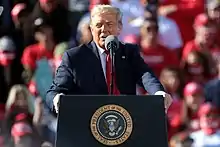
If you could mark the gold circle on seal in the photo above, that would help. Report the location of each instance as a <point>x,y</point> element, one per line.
<point>105,109</point>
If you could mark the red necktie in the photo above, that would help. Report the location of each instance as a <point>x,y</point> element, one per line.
<point>108,75</point>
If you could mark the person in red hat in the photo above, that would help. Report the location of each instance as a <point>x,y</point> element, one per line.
<point>19,14</point>
<point>8,55</point>
<point>23,133</point>
<point>193,99</point>
<point>197,67</point>
<point>19,131</point>
<point>209,119</point>
<point>205,38</point>
<point>42,49</point>
<point>213,11</point>
<point>154,54</point>
<point>55,13</point>
<point>183,114</point>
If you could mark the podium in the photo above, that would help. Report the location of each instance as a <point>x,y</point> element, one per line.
<point>101,121</point>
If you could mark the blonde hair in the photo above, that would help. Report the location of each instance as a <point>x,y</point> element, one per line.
<point>15,90</point>
<point>101,8</point>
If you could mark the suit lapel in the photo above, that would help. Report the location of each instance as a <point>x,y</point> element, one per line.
<point>98,74</point>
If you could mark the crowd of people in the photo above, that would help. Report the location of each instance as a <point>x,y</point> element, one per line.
<point>178,39</point>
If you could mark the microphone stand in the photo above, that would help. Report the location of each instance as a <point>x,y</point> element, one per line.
<point>112,56</point>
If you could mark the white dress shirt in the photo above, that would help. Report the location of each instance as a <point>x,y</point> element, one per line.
<point>102,56</point>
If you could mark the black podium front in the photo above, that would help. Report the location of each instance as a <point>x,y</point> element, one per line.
<point>98,121</point>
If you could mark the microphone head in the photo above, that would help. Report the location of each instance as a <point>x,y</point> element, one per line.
<point>111,42</point>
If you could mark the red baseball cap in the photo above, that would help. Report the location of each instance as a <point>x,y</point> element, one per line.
<point>201,20</point>
<point>192,88</point>
<point>20,129</point>
<point>208,108</point>
<point>17,9</point>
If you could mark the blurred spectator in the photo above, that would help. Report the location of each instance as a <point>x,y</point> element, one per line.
<point>213,9</point>
<point>19,14</point>
<point>20,101</point>
<point>58,53</point>
<point>168,35</point>
<point>181,140</point>
<point>212,90</point>
<point>54,13</point>
<point>154,54</point>
<point>131,10</point>
<point>7,52</point>
<point>19,98</point>
<point>196,67</point>
<point>205,39</point>
<point>175,124</point>
<point>42,49</point>
<point>77,9</point>
<point>83,30</point>
<point>193,98</point>
<point>183,114</point>
<point>183,13</point>
<point>23,133</point>
<point>209,135</point>
<point>173,81</point>
<point>7,73</point>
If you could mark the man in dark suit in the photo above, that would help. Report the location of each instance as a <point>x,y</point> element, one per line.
<point>84,69</point>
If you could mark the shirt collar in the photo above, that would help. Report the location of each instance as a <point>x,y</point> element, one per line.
<point>100,50</point>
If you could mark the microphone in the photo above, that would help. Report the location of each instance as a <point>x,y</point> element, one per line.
<point>112,44</point>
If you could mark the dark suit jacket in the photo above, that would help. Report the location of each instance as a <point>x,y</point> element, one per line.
<point>81,73</point>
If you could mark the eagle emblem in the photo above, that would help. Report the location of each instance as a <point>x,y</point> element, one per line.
<point>111,125</point>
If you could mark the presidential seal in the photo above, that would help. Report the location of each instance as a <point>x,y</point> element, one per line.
<point>111,125</point>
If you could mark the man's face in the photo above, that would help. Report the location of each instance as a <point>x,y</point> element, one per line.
<point>209,121</point>
<point>194,100</point>
<point>206,34</point>
<point>45,34</point>
<point>214,14</point>
<point>103,25</point>
<point>149,32</point>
